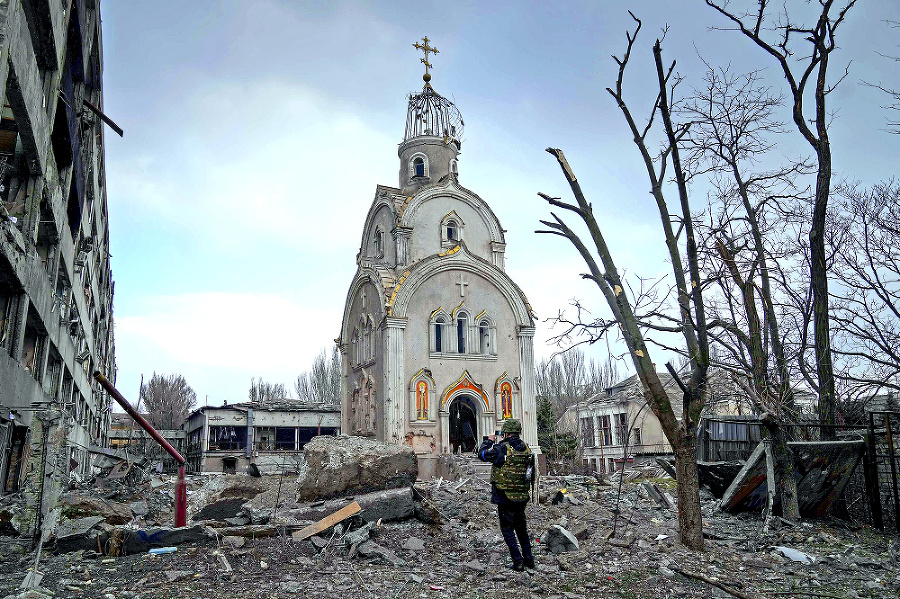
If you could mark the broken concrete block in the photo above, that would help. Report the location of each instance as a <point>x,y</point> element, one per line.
<point>139,508</point>
<point>559,540</point>
<point>78,505</point>
<point>360,535</point>
<point>334,466</point>
<point>393,504</point>
<point>234,541</point>
<point>374,550</point>
<point>78,526</point>
<point>414,544</point>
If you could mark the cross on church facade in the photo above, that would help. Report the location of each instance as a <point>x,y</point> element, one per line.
<point>426,49</point>
<point>462,285</point>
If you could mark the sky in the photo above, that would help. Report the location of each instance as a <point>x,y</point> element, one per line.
<point>256,132</point>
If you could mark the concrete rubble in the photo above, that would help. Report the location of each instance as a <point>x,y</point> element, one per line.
<point>440,538</point>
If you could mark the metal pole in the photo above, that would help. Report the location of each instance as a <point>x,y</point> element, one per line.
<point>871,474</point>
<point>890,440</point>
<point>180,490</point>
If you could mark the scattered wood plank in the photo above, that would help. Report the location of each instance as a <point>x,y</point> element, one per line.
<point>327,522</point>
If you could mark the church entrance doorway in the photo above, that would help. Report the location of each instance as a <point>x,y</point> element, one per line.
<point>463,424</point>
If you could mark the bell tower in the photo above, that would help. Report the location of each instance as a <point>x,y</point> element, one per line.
<point>433,135</point>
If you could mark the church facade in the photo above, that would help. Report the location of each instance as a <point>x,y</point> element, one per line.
<point>436,338</point>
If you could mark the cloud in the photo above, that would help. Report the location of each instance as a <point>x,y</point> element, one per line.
<point>243,332</point>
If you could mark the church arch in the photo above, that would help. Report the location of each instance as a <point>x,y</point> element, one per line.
<point>439,332</point>
<point>374,300</point>
<point>418,165</point>
<point>451,188</point>
<point>460,260</point>
<point>465,384</point>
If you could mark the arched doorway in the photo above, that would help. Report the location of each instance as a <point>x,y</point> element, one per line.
<point>463,424</point>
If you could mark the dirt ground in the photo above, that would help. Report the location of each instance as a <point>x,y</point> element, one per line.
<point>463,557</point>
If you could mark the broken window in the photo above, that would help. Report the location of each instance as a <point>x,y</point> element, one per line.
<point>286,438</point>
<point>7,309</point>
<point>13,170</point>
<point>637,436</point>
<point>227,438</point>
<point>621,428</point>
<point>605,431</point>
<point>264,437</point>
<point>32,348</point>
<point>587,432</point>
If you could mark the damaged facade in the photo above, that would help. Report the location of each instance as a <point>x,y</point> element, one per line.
<point>436,338</point>
<point>56,288</point>
<point>269,434</point>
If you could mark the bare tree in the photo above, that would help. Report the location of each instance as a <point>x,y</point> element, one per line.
<point>813,44</point>
<point>321,384</point>
<point>261,391</point>
<point>866,300</point>
<point>168,400</point>
<point>732,123</point>
<point>690,318</point>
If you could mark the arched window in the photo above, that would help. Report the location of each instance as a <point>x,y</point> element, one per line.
<point>452,231</point>
<point>484,338</point>
<point>461,324</point>
<point>453,167</point>
<point>354,353</point>
<point>370,342</point>
<point>379,243</point>
<point>506,400</point>
<point>422,400</point>
<point>418,167</point>
<point>439,334</point>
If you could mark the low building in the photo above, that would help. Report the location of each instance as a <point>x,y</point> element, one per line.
<point>125,433</point>
<point>269,434</point>
<point>616,418</point>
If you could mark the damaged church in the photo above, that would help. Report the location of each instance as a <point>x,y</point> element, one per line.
<point>436,340</point>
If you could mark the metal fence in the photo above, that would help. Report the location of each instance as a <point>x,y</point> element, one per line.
<point>872,494</point>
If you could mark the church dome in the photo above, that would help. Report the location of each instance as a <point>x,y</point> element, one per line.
<point>432,115</point>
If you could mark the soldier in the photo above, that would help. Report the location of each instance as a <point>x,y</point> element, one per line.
<point>511,477</point>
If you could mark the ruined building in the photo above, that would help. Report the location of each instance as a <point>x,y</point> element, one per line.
<point>436,338</point>
<point>56,288</point>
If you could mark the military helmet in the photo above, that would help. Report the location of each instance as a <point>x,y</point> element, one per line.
<point>511,426</point>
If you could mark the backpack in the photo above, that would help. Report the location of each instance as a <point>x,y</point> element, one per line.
<point>516,475</point>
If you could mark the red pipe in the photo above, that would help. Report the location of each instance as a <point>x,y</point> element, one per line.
<point>180,488</point>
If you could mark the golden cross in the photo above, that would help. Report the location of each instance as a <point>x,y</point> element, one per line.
<point>426,49</point>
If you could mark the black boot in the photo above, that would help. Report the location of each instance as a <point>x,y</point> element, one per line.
<point>528,562</point>
<point>518,565</point>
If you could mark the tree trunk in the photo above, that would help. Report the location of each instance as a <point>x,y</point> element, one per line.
<point>785,472</point>
<point>690,519</point>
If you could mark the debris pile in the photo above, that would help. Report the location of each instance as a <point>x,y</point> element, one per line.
<point>265,537</point>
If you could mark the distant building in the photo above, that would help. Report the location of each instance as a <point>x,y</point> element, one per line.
<point>602,422</point>
<point>272,434</point>
<point>56,287</point>
<point>125,433</point>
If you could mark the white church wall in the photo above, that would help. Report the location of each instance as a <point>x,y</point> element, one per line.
<point>384,252</point>
<point>426,240</point>
<point>364,363</point>
<point>443,290</point>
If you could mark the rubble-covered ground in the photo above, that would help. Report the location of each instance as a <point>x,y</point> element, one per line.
<point>462,555</point>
